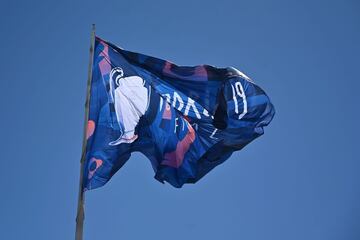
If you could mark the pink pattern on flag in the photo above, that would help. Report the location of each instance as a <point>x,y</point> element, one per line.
<point>175,158</point>
<point>90,129</point>
<point>104,64</point>
<point>167,112</point>
<point>98,163</point>
<point>200,73</point>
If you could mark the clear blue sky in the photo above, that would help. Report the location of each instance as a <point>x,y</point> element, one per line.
<point>299,181</point>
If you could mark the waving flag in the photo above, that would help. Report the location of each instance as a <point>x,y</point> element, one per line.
<point>186,120</point>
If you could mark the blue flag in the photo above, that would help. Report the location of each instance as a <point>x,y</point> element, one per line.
<point>185,120</point>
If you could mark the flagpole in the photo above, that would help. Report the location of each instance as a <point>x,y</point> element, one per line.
<point>81,197</point>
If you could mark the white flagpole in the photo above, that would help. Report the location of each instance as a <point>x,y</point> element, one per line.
<point>81,197</point>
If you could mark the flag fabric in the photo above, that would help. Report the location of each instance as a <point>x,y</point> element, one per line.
<point>185,120</point>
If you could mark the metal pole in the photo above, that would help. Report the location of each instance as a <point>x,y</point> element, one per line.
<point>81,197</point>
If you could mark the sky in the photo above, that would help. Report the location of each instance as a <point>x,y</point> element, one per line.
<point>300,180</point>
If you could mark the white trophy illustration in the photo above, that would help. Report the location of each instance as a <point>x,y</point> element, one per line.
<point>130,98</point>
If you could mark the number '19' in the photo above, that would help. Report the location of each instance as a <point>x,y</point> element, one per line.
<point>238,90</point>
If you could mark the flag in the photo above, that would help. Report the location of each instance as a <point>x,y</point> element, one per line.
<point>185,120</point>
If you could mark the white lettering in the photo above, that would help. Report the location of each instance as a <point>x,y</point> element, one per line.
<point>240,91</point>
<point>176,124</point>
<point>191,103</point>
<point>235,100</point>
<point>195,126</point>
<point>179,99</point>
<point>161,103</point>
<point>213,133</point>
<point>206,113</point>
